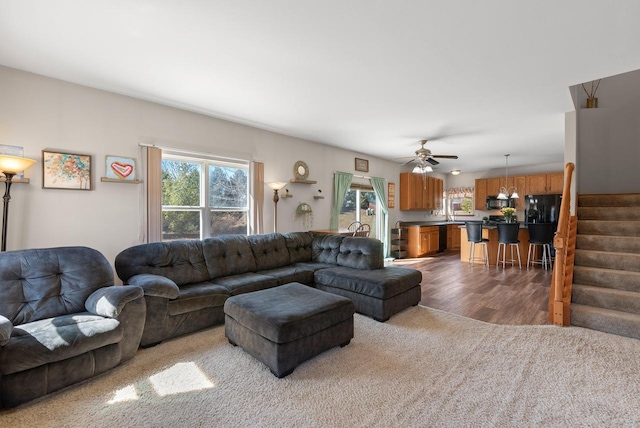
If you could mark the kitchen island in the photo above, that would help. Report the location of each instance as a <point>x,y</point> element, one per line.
<point>429,237</point>
<point>490,232</point>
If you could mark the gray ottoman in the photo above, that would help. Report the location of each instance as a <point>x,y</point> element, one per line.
<point>289,324</point>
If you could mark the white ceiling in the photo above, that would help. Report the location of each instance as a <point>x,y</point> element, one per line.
<point>480,78</point>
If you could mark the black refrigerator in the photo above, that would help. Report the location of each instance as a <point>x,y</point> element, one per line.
<point>542,208</point>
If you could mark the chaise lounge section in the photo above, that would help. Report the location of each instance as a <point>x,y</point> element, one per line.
<point>186,283</point>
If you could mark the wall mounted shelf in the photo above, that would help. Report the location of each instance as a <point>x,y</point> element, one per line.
<point>113,180</point>
<point>318,197</point>
<point>287,196</point>
<point>15,180</point>
<point>299,180</point>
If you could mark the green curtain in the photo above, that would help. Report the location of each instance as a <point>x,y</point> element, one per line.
<point>378,187</point>
<point>341,183</point>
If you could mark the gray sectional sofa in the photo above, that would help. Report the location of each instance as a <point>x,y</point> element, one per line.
<point>62,320</point>
<point>186,283</point>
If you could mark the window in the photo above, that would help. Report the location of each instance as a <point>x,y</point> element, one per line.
<point>359,205</point>
<point>203,197</point>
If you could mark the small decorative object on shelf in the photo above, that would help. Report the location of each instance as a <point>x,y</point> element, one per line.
<point>286,194</point>
<point>304,210</point>
<point>319,195</point>
<point>120,170</point>
<point>301,172</point>
<point>592,101</point>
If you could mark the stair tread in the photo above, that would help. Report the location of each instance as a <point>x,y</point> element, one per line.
<point>617,253</point>
<point>611,291</point>
<point>575,307</point>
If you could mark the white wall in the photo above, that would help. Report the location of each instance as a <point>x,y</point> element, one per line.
<point>41,113</point>
<point>608,138</point>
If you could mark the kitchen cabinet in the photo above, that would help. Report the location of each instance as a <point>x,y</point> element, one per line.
<point>544,184</point>
<point>493,186</point>
<point>480,197</point>
<point>520,184</point>
<point>422,240</point>
<point>555,182</point>
<point>420,192</point>
<point>453,236</point>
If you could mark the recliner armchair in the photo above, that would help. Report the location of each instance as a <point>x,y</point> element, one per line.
<point>62,320</point>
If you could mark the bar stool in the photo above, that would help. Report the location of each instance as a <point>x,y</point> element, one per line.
<point>474,236</point>
<point>508,235</point>
<point>540,234</point>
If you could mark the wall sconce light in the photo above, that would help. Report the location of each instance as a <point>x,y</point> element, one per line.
<point>275,186</point>
<point>10,166</point>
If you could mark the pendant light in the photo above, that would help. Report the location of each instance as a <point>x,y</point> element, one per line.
<point>504,191</point>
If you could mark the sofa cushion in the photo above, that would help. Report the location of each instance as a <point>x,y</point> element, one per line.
<point>54,339</point>
<point>44,283</point>
<point>194,297</point>
<point>246,283</point>
<point>361,253</point>
<point>180,261</point>
<point>379,283</point>
<point>228,255</point>
<point>270,251</point>
<point>325,248</point>
<point>288,274</point>
<point>313,266</point>
<point>299,245</point>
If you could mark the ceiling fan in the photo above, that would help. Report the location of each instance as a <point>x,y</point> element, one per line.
<point>424,156</point>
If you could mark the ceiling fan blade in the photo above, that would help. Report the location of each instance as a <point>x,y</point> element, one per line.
<point>432,161</point>
<point>445,156</point>
<point>408,162</point>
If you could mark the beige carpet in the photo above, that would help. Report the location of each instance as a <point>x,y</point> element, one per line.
<point>421,368</point>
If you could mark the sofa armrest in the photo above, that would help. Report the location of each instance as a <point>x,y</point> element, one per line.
<point>155,285</point>
<point>6,327</point>
<point>109,301</point>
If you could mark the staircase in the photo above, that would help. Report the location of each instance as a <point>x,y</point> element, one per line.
<point>606,279</point>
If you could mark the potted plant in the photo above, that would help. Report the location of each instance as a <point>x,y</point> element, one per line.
<point>485,220</point>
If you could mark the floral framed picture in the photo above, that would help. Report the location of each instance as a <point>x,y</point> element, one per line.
<point>120,168</point>
<point>66,171</point>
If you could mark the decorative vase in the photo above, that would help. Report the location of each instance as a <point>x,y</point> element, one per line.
<point>508,219</point>
<point>592,103</point>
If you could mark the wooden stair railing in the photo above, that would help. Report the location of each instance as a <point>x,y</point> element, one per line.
<point>565,245</point>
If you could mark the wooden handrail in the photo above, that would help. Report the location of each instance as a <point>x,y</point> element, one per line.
<point>564,242</point>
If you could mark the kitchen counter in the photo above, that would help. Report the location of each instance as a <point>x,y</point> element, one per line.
<point>493,226</point>
<point>491,233</point>
<point>427,223</point>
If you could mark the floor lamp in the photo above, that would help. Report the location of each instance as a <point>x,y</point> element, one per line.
<point>276,185</point>
<point>10,166</point>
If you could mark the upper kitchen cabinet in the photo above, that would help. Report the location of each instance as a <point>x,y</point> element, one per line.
<point>420,192</point>
<point>481,194</point>
<point>543,184</point>
<point>493,186</point>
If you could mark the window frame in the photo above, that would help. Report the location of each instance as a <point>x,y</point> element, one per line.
<point>205,162</point>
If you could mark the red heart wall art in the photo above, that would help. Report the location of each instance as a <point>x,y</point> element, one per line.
<point>122,169</point>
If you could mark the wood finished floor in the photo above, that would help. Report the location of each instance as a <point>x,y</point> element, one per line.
<point>510,296</point>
